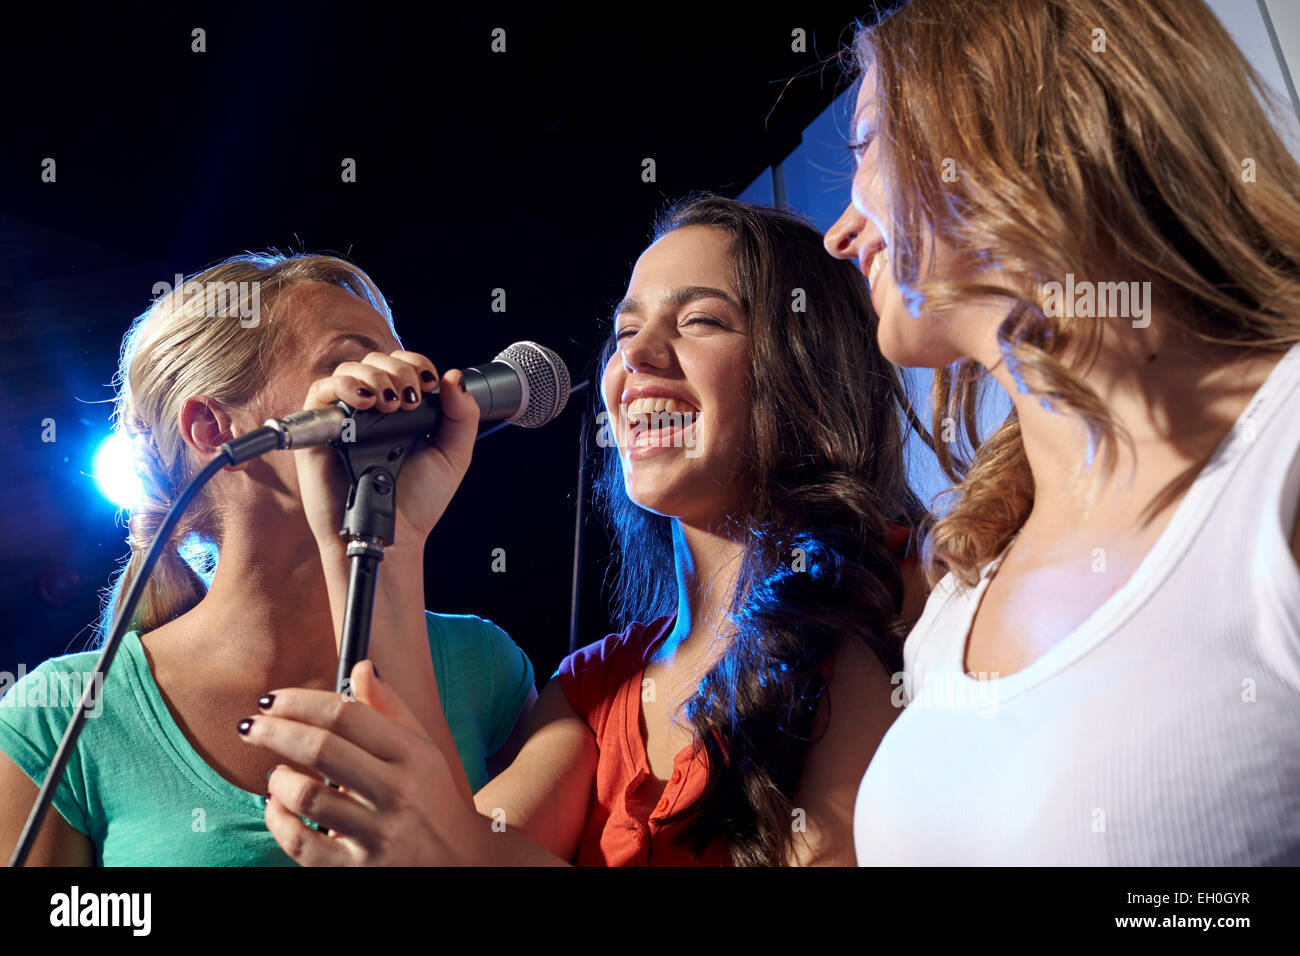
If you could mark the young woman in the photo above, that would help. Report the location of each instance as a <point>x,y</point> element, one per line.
<point>754,477</point>
<point>156,777</point>
<point>1084,201</point>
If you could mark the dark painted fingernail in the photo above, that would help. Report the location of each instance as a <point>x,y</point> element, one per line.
<point>461,385</point>
<point>411,395</point>
<point>390,395</point>
<point>365,393</point>
<point>266,799</point>
<point>426,376</point>
<point>265,701</point>
<point>245,726</point>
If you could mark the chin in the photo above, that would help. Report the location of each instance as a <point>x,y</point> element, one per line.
<point>911,343</point>
<point>902,350</point>
<point>671,499</point>
<point>655,499</point>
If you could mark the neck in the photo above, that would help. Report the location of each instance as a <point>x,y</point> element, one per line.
<point>266,616</point>
<point>707,563</point>
<point>1175,396</point>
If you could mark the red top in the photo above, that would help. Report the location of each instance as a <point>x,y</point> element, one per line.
<point>603,684</point>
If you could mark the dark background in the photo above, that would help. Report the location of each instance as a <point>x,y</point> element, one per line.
<point>475,171</point>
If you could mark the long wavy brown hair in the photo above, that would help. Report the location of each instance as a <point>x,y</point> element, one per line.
<point>825,474</point>
<point>1095,137</point>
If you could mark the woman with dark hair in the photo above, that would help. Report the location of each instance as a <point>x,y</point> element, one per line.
<point>805,554</point>
<point>754,478</point>
<point>1084,203</point>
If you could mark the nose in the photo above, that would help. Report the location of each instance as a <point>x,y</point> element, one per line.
<point>841,239</point>
<point>643,350</point>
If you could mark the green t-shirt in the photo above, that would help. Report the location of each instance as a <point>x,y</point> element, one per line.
<point>145,797</point>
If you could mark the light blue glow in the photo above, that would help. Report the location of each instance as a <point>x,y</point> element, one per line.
<point>114,471</point>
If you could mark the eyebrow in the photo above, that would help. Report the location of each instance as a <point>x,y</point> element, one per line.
<point>678,298</point>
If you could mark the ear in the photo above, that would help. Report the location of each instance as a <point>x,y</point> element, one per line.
<point>205,425</point>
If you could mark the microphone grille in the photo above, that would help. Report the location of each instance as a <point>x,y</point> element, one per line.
<point>547,379</point>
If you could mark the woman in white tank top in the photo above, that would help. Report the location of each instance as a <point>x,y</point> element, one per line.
<point>1108,669</point>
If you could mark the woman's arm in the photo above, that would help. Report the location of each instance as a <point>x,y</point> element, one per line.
<point>547,791</point>
<point>57,844</point>
<point>508,751</point>
<point>860,712</point>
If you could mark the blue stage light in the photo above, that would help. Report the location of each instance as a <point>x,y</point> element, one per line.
<point>114,470</point>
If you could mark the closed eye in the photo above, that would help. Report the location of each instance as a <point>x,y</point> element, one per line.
<point>708,320</point>
<point>859,147</point>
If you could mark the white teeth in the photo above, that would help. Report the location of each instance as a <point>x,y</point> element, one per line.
<point>651,413</point>
<point>877,263</point>
<point>643,406</point>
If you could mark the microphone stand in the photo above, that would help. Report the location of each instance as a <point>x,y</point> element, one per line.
<point>368,526</point>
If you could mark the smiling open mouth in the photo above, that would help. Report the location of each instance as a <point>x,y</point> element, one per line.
<point>659,421</point>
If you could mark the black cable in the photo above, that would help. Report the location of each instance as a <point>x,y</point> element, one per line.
<point>125,611</point>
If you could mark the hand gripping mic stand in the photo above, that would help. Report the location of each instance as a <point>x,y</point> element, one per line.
<point>368,526</point>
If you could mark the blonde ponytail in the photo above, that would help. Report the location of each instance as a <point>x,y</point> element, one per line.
<point>173,587</point>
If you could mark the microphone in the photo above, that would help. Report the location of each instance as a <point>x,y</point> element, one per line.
<point>527,384</point>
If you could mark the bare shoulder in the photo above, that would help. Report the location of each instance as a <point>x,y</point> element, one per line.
<point>854,716</point>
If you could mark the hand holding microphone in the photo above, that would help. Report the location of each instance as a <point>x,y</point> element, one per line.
<point>527,384</point>
<point>385,424</point>
<point>390,385</point>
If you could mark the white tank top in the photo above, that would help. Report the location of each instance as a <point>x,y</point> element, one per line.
<point>1164,730</point>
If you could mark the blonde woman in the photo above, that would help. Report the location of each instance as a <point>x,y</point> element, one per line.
<point>1108,671</point>
<point>158,777</point>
